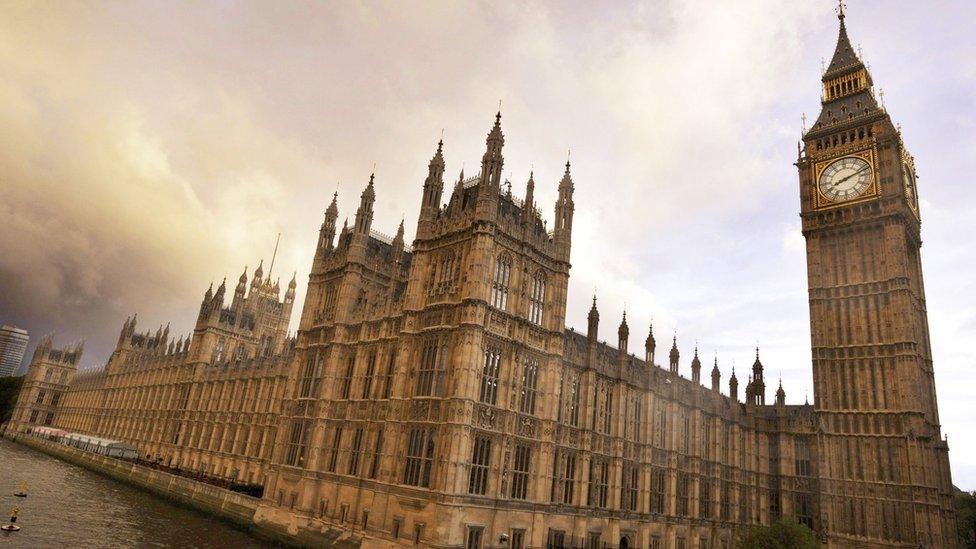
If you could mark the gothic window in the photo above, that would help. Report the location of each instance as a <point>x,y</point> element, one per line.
<point>520,474</point>
<point>218,354</point>
<point>530,375</point>
<point>574,400</point>
<point>420,457</point>
<point>388,376</point>
<point>346,385</point>
<point>658,480</point>
<point>430,376</point>
<point>489,376</point>
<point>628,487</point>
<point>599,484</point>
<point>683,487</point>
<point>802,461</point>
<point>297,444</point>
<point>704,499</point>
<point>635,430</point>
<point>607,411</point>
<point>334,451</point>
<point>537,298</point>
<point>239,355</point>
<point>480,460</point>
<point>804,509</point>
<point>47,375</point>
<point>564,478</point>
<point>357,452</point>
<point>308,385</point>
<point>370,370</point>
<point>377,455</point>
<point>726,500</point>
<point>499,282</point>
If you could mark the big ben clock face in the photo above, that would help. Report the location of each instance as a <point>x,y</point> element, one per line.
<point>908,177</point>
<point>845,179</point>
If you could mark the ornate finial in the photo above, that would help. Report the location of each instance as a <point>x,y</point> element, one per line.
<point>498,116</point>
<point>823,66</point>
<point>860,53</point>
<point>803,122</point>
<point>881,94</point>
<point>840,9</point>
<point>898,127</point>
<point>568,154</point>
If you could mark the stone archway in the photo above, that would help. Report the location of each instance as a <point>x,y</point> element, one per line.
<point>624,543</point>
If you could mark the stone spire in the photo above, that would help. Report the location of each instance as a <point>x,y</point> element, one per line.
<point>696,367</point>
<point>328,229</point>
<point>528,208</point>
<point>593,322</point>
<point>623,334</point>
<point>364,215</point>
<point>649,345</point>
<point>780,394</point>
<point>492,161</point>
<point>433,185</point>
<point>563,226</point>
<point>716,376</point>
<point>734,386</point>
<point>674,356</point>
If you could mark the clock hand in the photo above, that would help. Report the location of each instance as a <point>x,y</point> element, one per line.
<point>846,178</point>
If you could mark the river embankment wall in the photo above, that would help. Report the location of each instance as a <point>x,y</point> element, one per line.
<point>228,505</point>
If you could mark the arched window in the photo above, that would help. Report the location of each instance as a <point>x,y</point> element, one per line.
<point>499,282</point>
<point>537,298</point>
<point>218,353</point>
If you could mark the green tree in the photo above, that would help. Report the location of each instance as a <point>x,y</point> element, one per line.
<point>965,503</point>
<point>785,533</point>
<point>9,387</point>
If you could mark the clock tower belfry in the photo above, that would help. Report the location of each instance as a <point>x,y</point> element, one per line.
<point>884,465</point>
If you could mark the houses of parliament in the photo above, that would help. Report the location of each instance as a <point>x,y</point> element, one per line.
<point>434,396</point>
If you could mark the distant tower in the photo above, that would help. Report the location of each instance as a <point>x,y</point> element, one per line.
<point>48,375</point>
<point>13,344</point>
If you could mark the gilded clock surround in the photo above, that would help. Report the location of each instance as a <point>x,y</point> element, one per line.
<point>825,202</point>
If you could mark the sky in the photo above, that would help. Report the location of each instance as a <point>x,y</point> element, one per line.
<point>148,149</point>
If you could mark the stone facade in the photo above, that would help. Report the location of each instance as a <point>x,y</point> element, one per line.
<point>433,395</point>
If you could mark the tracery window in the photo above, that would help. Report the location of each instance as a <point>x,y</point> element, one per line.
<point>704,498</point>
<point>500,281</point>
<point>520,473</point>
<point>802,461</point>
<point>563,478</point>
<point>357,452</point>
<point>297,443</point>
<point>530,376</point>
<point>308,384</point>
<point>489,376</point>
<point>368,378</point>
<point>599,484</point>
<point>683,487</point>
<point>658,491</point>
<point>420,457</point>
<point>218,354</point>
<point>574,400</point>
<point>377,454</point>
<point>334,452</point>
<point>537,298</point>
<point>388,376</point>
<point>430,375</point>
<point>628,486</point>
<point>480,460</point>
<point>346,385</point>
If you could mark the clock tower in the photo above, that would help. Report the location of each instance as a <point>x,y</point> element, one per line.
<point>884,466</point>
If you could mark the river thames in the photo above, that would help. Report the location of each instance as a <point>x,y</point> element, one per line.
<point>68,506</point>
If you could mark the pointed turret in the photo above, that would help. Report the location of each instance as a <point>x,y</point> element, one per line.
<point>623,334</point>
<point>489,183</point>
<point>674,356</point>
<point>780,394</point>
<point>241,289</point>
<point>398,244</point>
<point>734,386</point>
<point>528,208</point>
<point>757,383</point>
<point>696,367</point>
<point>563,227</point>
<point>328,229</point>
<point>433,185</point>
<point>258,274</point>
<point>593,322</point>
<point>290,293</point>
<point>364,215</point>
<point>649,345</point>
<point>716,376</point>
